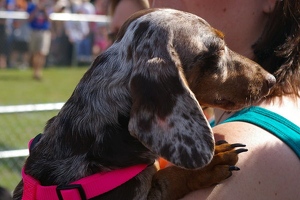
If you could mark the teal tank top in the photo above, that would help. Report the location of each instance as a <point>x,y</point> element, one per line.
<point>279,126</point>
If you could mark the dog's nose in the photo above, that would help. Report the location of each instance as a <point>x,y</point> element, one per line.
<point>270,81</point>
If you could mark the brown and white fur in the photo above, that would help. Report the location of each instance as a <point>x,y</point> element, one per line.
<point>141,99</point>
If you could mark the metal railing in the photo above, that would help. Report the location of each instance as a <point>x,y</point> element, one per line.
<point>58,16</point>
<point>18,124</point>
<point>22,109</point>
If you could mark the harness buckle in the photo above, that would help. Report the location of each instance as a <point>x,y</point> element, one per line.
<point>77,187</point>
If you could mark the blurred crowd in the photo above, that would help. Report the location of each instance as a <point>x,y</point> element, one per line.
<point>72,42</point>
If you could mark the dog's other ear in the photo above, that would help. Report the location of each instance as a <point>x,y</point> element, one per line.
<point>165,114</point>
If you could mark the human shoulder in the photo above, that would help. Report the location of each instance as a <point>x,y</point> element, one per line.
<point>269,170</point>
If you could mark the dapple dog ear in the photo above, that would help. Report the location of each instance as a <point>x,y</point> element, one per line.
<point>165,115</point>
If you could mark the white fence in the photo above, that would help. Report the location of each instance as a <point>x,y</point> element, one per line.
<point>94,43</point>
<point>58,17</point>
<point>25,108</point>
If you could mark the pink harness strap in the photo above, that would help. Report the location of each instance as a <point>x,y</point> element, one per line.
<point>85,188</point>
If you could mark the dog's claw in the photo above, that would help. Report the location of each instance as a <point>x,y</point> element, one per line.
<point>233,168</point>
<point>241,150</point>
<point>237,145</point>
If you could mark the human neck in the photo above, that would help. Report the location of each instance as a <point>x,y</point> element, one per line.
<point>286,106</point>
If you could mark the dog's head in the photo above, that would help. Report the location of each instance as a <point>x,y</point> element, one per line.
<point>179,61</point>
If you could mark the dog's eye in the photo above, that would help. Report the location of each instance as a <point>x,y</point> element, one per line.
<point>209,55</point>
<point>204,57</point>
<point>213,52</point>
<point>221,51</point>
<point>217,53</point>
<point>200,57</point>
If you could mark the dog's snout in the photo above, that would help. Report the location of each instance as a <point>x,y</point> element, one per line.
<point>270,81</point>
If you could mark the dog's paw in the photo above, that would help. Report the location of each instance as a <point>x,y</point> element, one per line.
<point>174,182</point>
<point>221,166</point>
<point>227,154</point>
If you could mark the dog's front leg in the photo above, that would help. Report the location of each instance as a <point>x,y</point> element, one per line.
<point>169,183</point>
<point>174,182</point>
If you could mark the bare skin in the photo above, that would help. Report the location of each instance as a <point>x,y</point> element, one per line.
<point>123,10</point>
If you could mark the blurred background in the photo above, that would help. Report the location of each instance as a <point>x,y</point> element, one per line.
<point>79,30</point>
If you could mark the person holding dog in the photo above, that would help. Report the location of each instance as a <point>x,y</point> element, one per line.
<point>268,32</point>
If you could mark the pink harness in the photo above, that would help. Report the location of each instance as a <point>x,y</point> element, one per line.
<point>85,188</point>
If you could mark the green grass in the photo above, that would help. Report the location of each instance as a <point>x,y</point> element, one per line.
<point>18,87</point>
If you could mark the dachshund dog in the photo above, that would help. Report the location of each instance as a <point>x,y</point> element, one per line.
<point>139,100</point>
